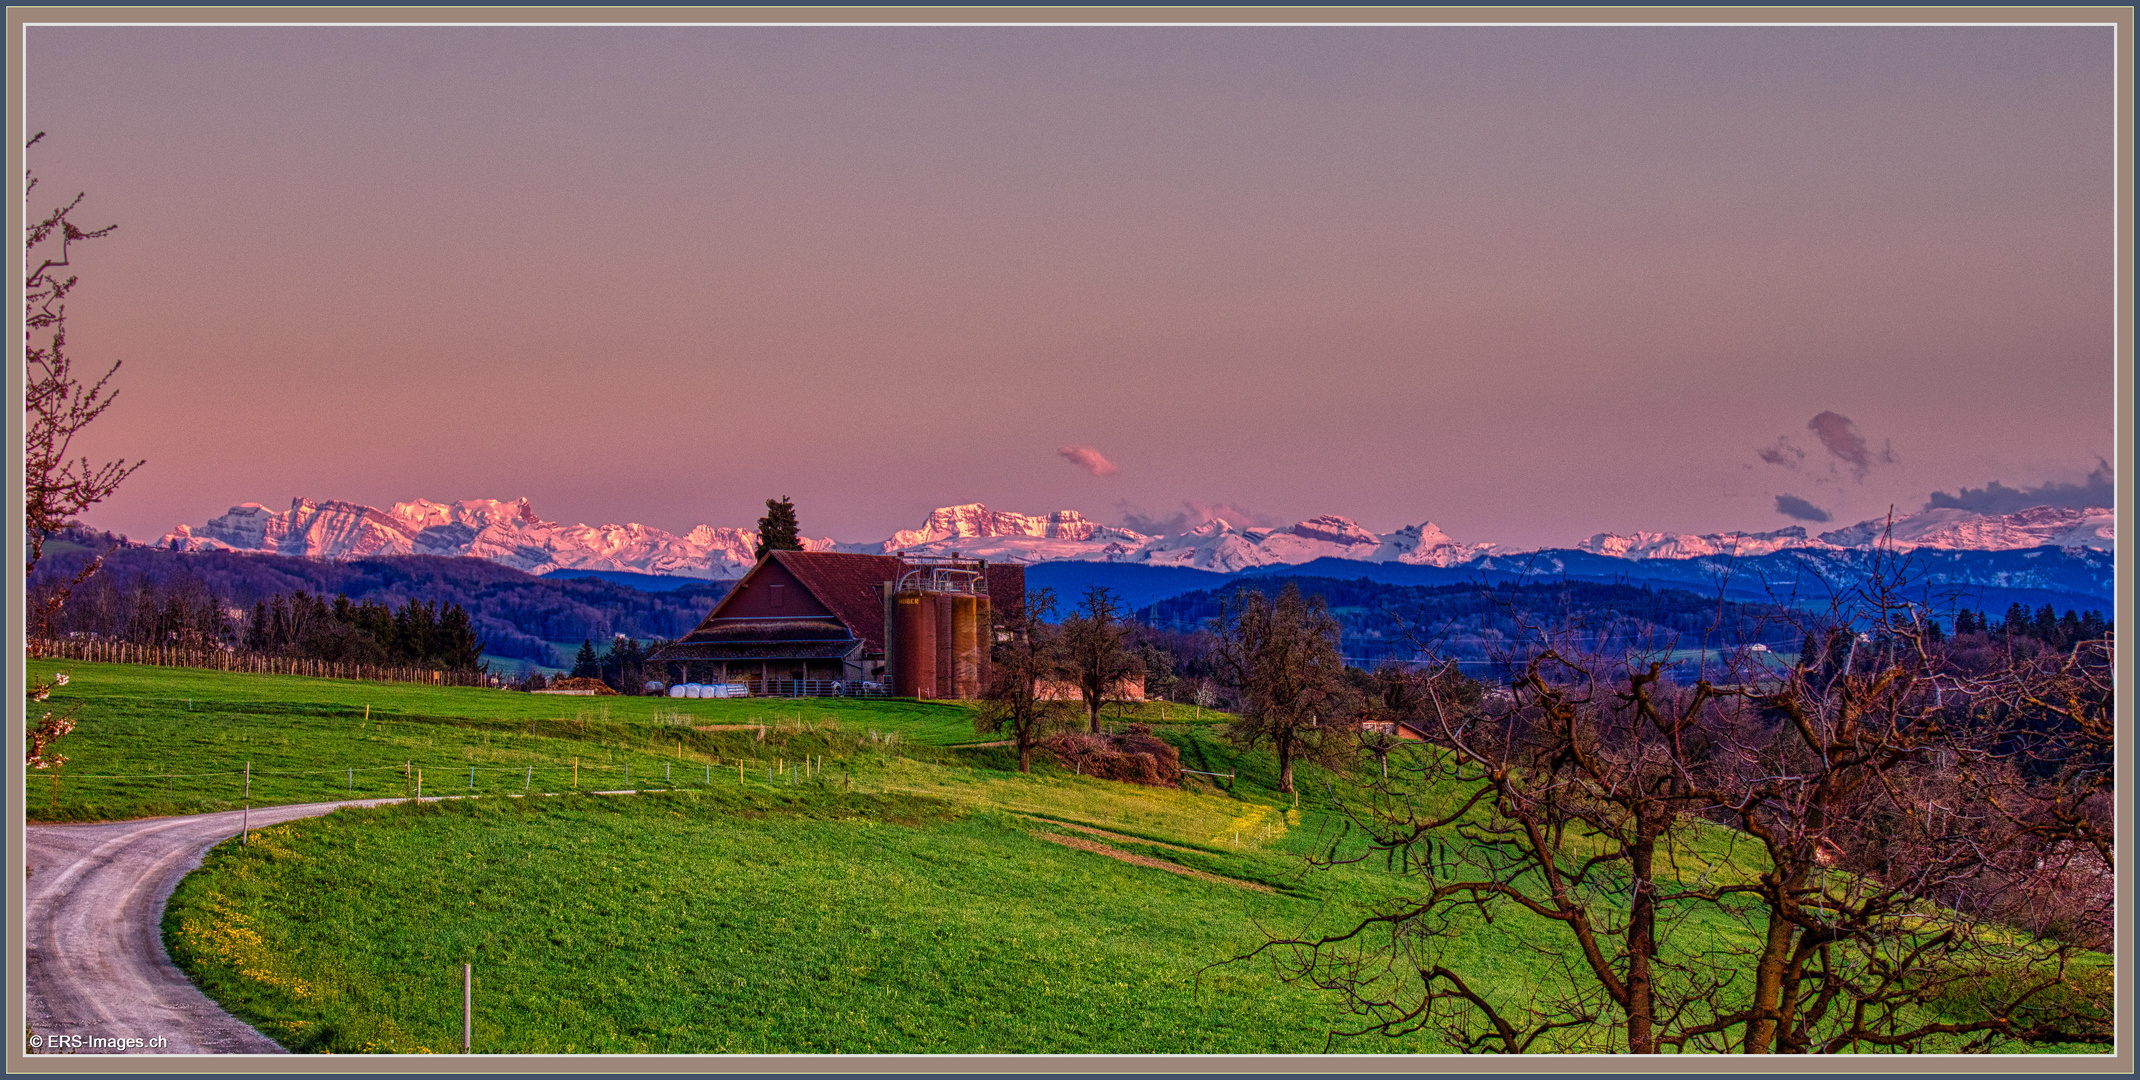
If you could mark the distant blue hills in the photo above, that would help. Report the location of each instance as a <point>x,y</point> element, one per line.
<point>653,583</point>
<point>541,620</point>
<point>1944,581</point>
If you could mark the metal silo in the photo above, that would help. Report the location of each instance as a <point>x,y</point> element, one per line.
<point>938,628</point>
<point>965,643</point>
<point>947,647</point>
<point>913,643</point>
<point>984,632</point>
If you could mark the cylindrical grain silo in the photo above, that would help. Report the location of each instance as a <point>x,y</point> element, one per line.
<point>914,644</point>
<point>984,624</point>
<point>965,665</point>
<point>946,647</point>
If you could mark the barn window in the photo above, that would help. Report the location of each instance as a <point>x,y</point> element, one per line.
<point>780,594</point>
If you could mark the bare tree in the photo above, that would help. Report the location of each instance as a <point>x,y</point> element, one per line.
<point>1782,862</point>
<point>59,402</point>
<point>1282,659</point>
<point>1095,651</point>
<point>1022,667</point>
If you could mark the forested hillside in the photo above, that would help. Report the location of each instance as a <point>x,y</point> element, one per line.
<point>1476,621</point>
<point>516,615</point>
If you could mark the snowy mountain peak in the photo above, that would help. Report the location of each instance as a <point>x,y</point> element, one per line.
<point>513,534</point>
<point>976,520</point>
<point>504,532</point>
<point>1335,530</point>
<point>1953,529</point>
<point>1660,545</point>
<point>1945,528</point>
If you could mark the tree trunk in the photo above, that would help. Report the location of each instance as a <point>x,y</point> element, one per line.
<point>1025,755</point>
<point>1285,764</point>
<point>1092,710</point>
<point>1641,945</point>
<point>1768,986</point>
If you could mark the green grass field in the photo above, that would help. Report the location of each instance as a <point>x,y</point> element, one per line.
<point>857,877</point>
<point>809,921</point>
<point>152,741</point>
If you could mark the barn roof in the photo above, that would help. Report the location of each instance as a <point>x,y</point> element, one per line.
<point>848,584</point>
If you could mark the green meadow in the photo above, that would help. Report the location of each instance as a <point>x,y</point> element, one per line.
<point>153,741</point>
<point>817,876</point>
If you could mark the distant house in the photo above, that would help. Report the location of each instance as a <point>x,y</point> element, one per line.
<point>819,616</point>
<point>1130,688</point>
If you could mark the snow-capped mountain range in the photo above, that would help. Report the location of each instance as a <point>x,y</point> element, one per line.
<point>513,534</point>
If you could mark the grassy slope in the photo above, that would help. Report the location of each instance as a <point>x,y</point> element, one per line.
<point>152,741</point>
<point>809,922</point>
<point>898,901</point>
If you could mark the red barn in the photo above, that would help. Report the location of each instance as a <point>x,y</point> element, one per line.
<point>821,617</point>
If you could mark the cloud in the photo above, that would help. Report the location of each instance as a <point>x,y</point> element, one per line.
<point>1088,459</point>
<point>1783,453</point>
<point>1997,498</point>
<point>1841,437</point>
<point>1791,506</point>
<point>1191,515</point>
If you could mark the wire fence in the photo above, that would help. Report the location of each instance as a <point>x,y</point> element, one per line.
<point>411,779</point>
<point>104,651</point>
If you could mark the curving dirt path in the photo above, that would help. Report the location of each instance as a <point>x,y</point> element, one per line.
<point>1120,855</point>
<point>93,905</point>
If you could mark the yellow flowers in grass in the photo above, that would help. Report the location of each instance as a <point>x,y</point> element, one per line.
<point>228,938</point>
<point>1245,825</point>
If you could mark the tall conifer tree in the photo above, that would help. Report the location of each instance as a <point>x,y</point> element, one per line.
<point>778,530</point>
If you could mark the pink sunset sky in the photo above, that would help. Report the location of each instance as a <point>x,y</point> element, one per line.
<point>1529,283</point>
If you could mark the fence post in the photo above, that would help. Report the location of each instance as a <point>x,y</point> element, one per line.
<point>468,1008</point>
<point>524,784</point>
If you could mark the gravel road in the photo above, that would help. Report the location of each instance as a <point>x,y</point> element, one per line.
<point>98,975</point>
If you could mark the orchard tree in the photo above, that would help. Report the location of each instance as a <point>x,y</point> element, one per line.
<point>1095,650</point>
<point>1282,660</point>
<point>778,530</point>
<point>1021,668</point>
<point>1848,854</point>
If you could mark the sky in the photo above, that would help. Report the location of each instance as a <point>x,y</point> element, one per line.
<point>1528,283</point>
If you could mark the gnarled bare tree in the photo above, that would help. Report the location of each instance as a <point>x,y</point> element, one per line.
<point>1095,652</point>
<point>1018,698</point>
<point>1282,658</point>
<point>1788,859</point>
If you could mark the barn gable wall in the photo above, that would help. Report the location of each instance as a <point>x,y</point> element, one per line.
<point>770,591</point>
